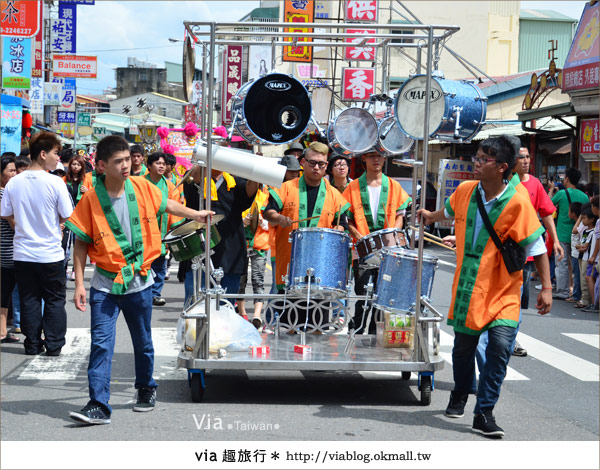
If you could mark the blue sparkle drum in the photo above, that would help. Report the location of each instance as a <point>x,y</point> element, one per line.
<point>353,131</point>
<point>322,254</point>
<point>397,279</point>
<point>457,109</point>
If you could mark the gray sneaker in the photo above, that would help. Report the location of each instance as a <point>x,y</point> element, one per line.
<point>146,399</point>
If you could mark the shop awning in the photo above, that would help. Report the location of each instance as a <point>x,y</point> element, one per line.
<point>557,110</point>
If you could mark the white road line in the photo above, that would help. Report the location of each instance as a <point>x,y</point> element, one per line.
<point>587,338</point>
<point>166,349</point>
<point>446,344</point>
<point>568,363</point>
<point>73,358</point>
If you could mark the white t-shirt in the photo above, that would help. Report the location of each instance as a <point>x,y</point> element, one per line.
<point>37,200</point>
<point>374,194</point>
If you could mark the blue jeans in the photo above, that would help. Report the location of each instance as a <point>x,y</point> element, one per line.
<point>137,310</point>
<point>16,305</point>
<point>274,281</point>
<point>230,282</point>
<point>497,355</point>
<point>159,266</point>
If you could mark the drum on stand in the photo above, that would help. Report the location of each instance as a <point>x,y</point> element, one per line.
<point>390,138</point>
<point>353,131</point>
<point>187,240</point>
<point>369,247</point>
<point>324,252</point>
<point>397,280</point>
<point>457,109</point>
<point>275,109</point>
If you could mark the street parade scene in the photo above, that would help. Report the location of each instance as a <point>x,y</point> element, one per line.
<point>300,234</point>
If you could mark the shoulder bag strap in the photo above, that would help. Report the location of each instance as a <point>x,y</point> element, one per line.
<point>486,221</point>
<point>568,197</point>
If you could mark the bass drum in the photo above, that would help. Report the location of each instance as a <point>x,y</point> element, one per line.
<point>275,109</point>
<point>352,132</point>
<point>457,109</point>
<point>391,140</point>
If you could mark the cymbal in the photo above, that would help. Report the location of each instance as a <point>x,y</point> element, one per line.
<point>186,175</point>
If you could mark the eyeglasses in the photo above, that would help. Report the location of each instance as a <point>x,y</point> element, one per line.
<point>340,165</point>
<point>314,163</point>
<point>482,161</point>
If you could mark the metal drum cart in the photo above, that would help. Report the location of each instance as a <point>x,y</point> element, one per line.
<point>284,347</point>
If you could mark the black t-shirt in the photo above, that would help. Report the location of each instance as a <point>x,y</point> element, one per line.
<point>230,253</point>
<point>311,198</point>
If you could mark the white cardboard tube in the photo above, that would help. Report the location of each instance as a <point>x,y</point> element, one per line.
<point>252,167</point>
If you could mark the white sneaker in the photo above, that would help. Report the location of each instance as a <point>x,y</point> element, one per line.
<point>538,287</point>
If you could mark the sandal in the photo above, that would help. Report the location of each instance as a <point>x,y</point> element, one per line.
<point>9,339</point>
<point>571,299</point>
<point>580,304</point>
<point>257,322</point>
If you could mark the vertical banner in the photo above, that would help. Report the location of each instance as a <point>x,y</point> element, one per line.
<point>232,79</point>
<point>36,96</point>
<point>450,174</point>
<point>360,52</point>
<point>20,18</point>
<point>16,62</point>
<point>37,68</point>
<point>10,122</point>
<point>362,10</point>
<point>357,83</point>
<point>64,29</point>
<point>589,141</point>
<point>259,61</point>
<point>298,12</point>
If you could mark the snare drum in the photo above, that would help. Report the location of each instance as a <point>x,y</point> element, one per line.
<point>324,251</point>
<point>187,240</point>
<point>397,280</point>
<point>369,247</point>
<point>457,109</point>
<point>391,140</point>
<point>275,109</point>
<point>353,131</point>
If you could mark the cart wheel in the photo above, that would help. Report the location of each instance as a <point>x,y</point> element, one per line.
<point>406,375</point>
<point>425,390</point>
<point>197,387</point>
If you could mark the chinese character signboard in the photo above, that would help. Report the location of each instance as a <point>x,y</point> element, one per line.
<point>581,67</point>
<point>362,10</point>
<point>66,117</point>
<point>37,67</point>
<point>360,52</point>
<point>77,66</point>
<point>85,119</point>
<point>36,96</point>
<point>451,174</point>
<point>64,29</point>
<point>589,143</point>
<point>232,79</point>
<point>298,12</point>
<point>16,63</point>
<point>10,122</point>
<point>52,93</point>
<point>357,83</point>
<point>20,18</point>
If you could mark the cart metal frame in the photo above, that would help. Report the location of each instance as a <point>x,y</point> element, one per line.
<point>330,351</point>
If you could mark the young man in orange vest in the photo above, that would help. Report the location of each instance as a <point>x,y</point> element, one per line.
<point>116,225</point>
<point>376,203</point>
<point>157,164</point>
<point>308,196</point>
<point>485,296</point>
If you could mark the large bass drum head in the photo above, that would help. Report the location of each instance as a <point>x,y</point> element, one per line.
<point>409,107</point>
<point>277,108</point>
<point>354,130</point>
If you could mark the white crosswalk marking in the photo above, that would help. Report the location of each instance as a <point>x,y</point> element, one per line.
<point>166,349</point>
<point>587,338</point>
<point>65,367</point>
<point>561,360</point>
<point>446,344</point>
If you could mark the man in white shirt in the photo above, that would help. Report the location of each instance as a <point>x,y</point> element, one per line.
<point>39,203</point>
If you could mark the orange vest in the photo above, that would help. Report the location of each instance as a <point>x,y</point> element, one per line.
<point>397,200</point>
<point>89,223</point>
<point>288,200</point>
<point>260,240</point>
<point>484,293</point>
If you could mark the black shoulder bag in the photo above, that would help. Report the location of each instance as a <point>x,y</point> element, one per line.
<point>513,255</point>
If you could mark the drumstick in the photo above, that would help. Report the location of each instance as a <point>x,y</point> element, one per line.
<point>442,245</point>
<point>432,238</point>
<point>339,215</point>
<point>307,218</point>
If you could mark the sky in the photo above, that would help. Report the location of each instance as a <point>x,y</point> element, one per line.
<point>115,30</point>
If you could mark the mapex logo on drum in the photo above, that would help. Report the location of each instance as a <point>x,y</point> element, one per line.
<point>278,86</point>
<point>417,95</point>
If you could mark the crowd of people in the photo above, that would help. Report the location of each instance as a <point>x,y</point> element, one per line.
<point>117,208</point>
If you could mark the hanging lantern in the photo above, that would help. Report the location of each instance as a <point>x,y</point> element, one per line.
<point>27,120</point>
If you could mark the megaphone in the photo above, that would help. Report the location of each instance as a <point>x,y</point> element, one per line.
<point>252,167</point>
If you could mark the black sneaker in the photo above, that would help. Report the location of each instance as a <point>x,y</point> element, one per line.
<point>92,413</point>
<point>158,301</point>
<point>485,423</point>
<point>456,406</point>
<point>146,399</point>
